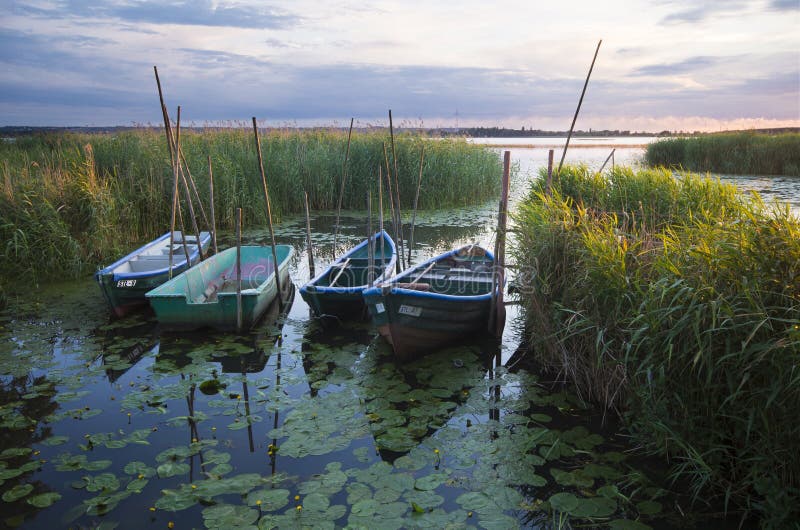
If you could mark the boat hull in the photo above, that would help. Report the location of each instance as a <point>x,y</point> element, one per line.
<point>181,303</point>
<point>444,301</point>
<point>124,292</point>
<point>336,293</point>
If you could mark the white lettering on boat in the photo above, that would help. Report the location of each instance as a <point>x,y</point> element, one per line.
<point>410,310</point>
<point>379,308</point>
<point>126,283</point>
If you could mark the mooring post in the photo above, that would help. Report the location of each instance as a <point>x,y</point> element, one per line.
<point>239,270</point>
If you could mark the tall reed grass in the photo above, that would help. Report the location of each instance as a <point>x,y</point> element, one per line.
<point>730,153</point>
<point>71,201</point>
<point>675,301</point>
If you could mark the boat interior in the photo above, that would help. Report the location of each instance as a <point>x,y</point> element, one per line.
<point>156,257</point>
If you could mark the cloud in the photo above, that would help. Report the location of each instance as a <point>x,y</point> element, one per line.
<point>688,65</point>
<point>180,12</point>
<point>785,5</point>
<point>701,11</point>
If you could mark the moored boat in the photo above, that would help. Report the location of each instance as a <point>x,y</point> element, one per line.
<point>125,282</point>
<point>442,301</point>
<point>337,291</point>
<point>205,295</point>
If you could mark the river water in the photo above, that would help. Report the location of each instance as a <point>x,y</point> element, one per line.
<point>116,423</point>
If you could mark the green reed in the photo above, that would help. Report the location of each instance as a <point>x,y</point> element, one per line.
<point>730,153</point>
<point>675,301</point>
<point>69,201</point>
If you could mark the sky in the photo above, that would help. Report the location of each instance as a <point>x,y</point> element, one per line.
<point>677,65</point>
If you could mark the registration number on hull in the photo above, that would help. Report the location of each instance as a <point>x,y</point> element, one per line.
<point>126,283</point>
<point>410,310</point>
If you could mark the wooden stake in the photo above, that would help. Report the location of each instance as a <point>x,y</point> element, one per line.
<point>416,200</point>
<point>395,228</point>
<point>383,239</point>
<point>606,162</point>
<point>174,194</point>
<point>497,312</point>
<point>239,270</point>
<point>549,184</point>
<point>269,216</point>
<point>211,204</point>
<point>397,191</point>
<point>308,239</point>
<point>370,244</point>
<point>341,189</point>
<point>580,101</point>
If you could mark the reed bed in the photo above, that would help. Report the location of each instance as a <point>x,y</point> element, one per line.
<point>674,300</point>
<point>730,153</point>
<point>71,201</point>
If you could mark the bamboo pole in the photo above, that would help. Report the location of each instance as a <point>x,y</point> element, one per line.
<point>383,239</point>
<point>341,189</point>
<point>416,200</point>
<point>497,312</point>
<point>370,244</point>
<point>606,162</point>
<point>174,195</point>
<point>580,101</point>
<point>395,221</point>
<point>211,204</point>
<point>188,199</point>
<point>397,191</point>
<point>239,270</point>
<point>269,215</point>
<point>308,239</point>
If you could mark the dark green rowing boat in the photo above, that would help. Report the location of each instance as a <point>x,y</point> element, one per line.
<point>205,295</point>
<point>336,292</point>
<point>442,301</point>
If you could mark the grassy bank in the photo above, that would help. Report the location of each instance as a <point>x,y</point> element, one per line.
<point>69,202</point>
<point>675,302</point>
<point>730,153</point>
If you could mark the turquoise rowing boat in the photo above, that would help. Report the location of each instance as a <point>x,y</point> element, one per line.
<point>443,301</point>
<point>205,295</point>
<point>336,292</point>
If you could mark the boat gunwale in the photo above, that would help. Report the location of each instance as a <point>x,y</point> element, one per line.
<point>193,254</point>
<point>249,293</point>
<point>391,283</point>
<point>310,287</point>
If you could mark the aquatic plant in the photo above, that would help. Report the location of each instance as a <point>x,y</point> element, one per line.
<point>674,300</point>
<point>746,153</point>
<point>69,202</point>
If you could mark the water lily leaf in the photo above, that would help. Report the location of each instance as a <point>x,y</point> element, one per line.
<point>224,516</point>
<point>15,452</point>
<point>55,440</point>
<point>594,507</point>
<point>271,500</point>
<point>17,492</point>
<point>648,507</point>
<point>357,492</point>
<point>106,482</point>
<point>171,469</point>
<point>43,500</point>
<point>139,468</point>
<point>430,482</point>
<point>424,499</point>
<point>572,478</point>
<point>626,524</point>
<point>365,507</point>
<point>563,502</point>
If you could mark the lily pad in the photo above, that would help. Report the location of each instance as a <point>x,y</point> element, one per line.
<point>43,500</point>
<point>17,492</point>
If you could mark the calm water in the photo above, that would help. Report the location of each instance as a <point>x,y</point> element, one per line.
<point>114,423</point>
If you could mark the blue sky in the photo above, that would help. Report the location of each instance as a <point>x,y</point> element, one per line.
<point>663,64</point>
